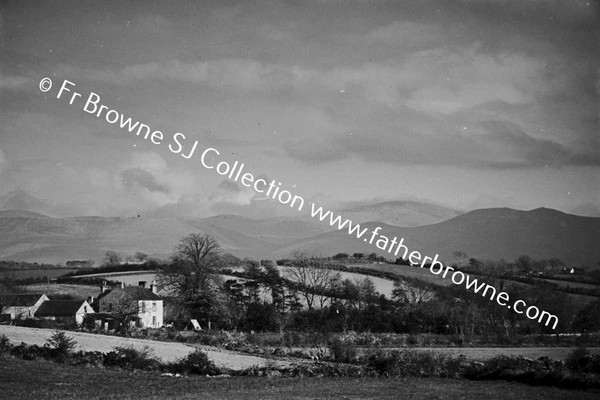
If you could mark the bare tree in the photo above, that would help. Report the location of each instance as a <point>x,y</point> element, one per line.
<point>112,258</point>
<point>192,279</point>
<point>314,279</point>
<point>141,257</point>
<point>412,293</point>
<point>460,256</point>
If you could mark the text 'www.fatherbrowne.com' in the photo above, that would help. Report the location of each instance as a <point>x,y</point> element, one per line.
<point>210,158</point>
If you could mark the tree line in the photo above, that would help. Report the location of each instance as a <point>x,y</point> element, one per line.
<point>310,294</point>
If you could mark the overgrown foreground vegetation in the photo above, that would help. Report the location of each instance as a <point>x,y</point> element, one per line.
<point>581,370</point>
<point>32,380</point>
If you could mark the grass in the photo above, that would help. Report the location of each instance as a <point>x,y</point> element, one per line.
<point>485,353</point>
<point>409,272</point>
<point>35,273</point>
<point>79,291</point>
<point>579,300</point>
<point>44,380</point>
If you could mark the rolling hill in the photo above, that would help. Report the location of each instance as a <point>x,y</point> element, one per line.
<point>400,213</point>
<point>483,234</point>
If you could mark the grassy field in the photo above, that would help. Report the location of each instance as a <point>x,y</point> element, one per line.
<point>79,291</point>
<point>165,351</point>
<point>424,274</point>
<point>405,271</point>
<point>35,273</point>
<point>44,380</point>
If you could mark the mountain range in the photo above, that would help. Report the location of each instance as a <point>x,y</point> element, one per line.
<point>484,234</point>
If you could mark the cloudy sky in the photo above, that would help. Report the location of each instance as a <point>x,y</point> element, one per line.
<point>467,104</point>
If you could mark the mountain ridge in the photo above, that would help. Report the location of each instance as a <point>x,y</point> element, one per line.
<point>491,233</point>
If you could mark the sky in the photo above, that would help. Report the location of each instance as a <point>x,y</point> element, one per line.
<point>465,104</point>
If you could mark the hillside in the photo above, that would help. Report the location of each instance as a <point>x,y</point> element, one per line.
<point>484,234</point>
<point>27,236</point>
<point>400,213</point>
<point>32,238</point>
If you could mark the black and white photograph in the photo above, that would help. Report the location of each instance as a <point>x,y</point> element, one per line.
<point>300,199</point>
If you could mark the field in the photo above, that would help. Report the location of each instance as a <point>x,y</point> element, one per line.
<point>166,351</point>
<point>579,300</point>
<point>35,273</point>
<point>406,271</point>
<point>79,291</point>
<point>44,380</point>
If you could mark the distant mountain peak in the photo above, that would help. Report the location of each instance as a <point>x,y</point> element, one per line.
<point>407,213</point>
<point>21,214</point>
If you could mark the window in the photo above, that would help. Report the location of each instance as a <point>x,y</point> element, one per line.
<point>153,321</point>
<point>154,306</point>
<point>143,307</point>
<point>110,307</point>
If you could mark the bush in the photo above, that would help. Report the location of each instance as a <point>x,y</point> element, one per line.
<point>342,351</point>
<point>195,363</point>
<point>34,352</point>
<point>415,363</point>
<point>5,345</point>
<point>129,357</point>
<point>581,360</point>
<point>540,372</point>
<point>61,344</point>
<point>210,340</point>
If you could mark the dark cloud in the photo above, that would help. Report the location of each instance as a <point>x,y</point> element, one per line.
<point>311,150</point>
<point>133,177</point>
<point>229,186</point>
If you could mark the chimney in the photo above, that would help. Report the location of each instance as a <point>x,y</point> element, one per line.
<point>103,287</point>
<point>122,285</point>
<point>90,300</point>
<point>142,284</point>
<point>153,287</point>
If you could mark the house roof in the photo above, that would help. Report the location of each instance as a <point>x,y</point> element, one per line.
<point>21,300</point>
<point>134,292</point>
<point>53,308</point>
<point>139,293</point>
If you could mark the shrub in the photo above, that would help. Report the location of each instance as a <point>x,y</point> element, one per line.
<point>210,340</point>
<point>581,360</point>
<point>61,344</point>
<point>415,363</point>
<point>342,351</point>
<point>129,357</point>
<point>195,363</point>
<point>384,364</point>
<point>540,372</point>
<point>34,352</point>
<point>5,345</point>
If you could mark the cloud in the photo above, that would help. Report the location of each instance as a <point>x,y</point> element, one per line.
<point>510,139</point>
<point>241,73</point>
<point>137,177</point>
<point>229,192</point>
<point>13,82</point>
<point>3,162</point>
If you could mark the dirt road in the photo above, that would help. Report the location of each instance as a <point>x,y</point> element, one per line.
<point>166,351</point>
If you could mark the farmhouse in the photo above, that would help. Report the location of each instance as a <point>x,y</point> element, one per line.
<point>22,306</point>
<point>64,310</point>
<point>137,304</point>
